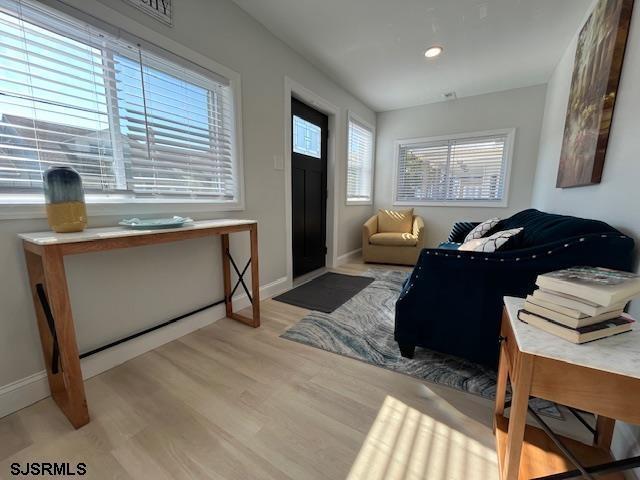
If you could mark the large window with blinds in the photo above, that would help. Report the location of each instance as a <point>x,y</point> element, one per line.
<point>470,169</point>
<point>133,120</point>
<point>359,162</point>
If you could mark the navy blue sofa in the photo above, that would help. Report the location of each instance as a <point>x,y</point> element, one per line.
<point>452,302</point>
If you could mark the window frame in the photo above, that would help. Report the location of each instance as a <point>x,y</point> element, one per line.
<point>32,206</point>
<point>510,133</point>
<point>351,116</point>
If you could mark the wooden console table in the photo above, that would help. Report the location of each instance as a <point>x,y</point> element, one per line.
<point>601,377</point>
<point>45,251</point>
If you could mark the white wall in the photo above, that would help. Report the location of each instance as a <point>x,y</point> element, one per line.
<point>119,292</point>
<point>617,198</point>
<point>520,108</point>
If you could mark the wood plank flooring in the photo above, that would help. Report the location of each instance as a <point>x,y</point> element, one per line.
<point>230,402</point>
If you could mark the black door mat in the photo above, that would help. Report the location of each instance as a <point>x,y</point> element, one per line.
<point>325,293</point>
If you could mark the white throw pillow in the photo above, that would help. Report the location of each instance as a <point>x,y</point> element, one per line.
<point>492,243</point>
<point>481,230</point>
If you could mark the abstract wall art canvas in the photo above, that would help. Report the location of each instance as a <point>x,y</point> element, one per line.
<point>594,86</point>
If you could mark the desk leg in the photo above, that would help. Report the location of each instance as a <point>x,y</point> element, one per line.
<point>521,386</point>
<point>65,378</point>
<point>604,432</point>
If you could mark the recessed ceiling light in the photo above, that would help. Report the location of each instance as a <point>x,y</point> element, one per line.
<point>433,51</point>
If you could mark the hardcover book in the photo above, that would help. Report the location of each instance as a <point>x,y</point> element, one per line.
<point>598,285</point>
<point>566,317</point>
<point>585,334</point>
<point>576,305</point>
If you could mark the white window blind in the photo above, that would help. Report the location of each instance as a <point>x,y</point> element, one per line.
<point>359,162</point>
<point>131,121</point>
<point>464,170</point>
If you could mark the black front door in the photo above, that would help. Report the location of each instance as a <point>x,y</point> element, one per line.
<point>309,132</point>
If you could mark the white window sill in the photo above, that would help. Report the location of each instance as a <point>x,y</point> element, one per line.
<point>453,203</point>
<point>34,210</point>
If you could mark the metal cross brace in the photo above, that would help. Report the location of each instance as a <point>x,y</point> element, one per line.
<point>240,277</point>
<point>46,308</point>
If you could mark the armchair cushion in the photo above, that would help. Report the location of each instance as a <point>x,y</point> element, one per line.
<point>394,239</point>
<point>395,221</point>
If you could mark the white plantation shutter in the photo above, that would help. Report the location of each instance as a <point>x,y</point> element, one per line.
<point>129,119</point>
<point>359,162</point>
<point>468,169</point>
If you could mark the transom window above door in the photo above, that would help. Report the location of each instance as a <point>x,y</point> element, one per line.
<point>307,138</point>
<point>135,121</point>
<point>468,169</point>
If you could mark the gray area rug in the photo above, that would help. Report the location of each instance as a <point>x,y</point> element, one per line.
<point>362,328</point>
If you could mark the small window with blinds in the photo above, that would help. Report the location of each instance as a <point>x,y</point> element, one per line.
<point>135,122</point>
<point>359,162</point>
<point>470,169</point>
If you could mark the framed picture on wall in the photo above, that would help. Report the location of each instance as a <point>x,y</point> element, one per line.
<point>594,86</point>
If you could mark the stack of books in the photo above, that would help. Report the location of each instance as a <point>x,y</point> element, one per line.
<point>582,304</point>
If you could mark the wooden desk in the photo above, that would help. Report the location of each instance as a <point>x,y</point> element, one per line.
<point>45,251</point>
<point>601,377</point>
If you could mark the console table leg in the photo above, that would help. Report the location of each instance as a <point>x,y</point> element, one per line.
<point>255,275</point>
<point>254,296</point>
<point>226,274</point>
<point>66,384</point>
<point>501,386</point>
<point>604,432</point>
<point>521,386</point>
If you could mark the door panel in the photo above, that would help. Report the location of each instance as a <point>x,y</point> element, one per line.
<point>298,214</point>
<point>309,187</point>
<point>313,214</point>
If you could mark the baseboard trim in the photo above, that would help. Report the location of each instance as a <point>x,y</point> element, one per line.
<point>28,390</point>
<point>344,258</point>
<point>21,393</point>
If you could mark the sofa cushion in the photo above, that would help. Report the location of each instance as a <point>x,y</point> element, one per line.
<point>394,239</point>
<point>541,228</point>
<point>395,221</point>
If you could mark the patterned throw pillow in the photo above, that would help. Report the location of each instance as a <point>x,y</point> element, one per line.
<point>482,229</point>
<point>492,243</point>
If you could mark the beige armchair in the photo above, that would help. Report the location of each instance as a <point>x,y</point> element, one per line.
<point>394,237</point>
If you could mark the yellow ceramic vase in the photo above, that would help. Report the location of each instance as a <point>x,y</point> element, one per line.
<point>64,195</point>
<point>65,217</point>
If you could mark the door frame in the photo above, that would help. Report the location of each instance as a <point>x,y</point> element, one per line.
<point>334,145</point>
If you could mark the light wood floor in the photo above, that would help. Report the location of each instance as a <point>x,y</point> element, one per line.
<point>231,402</point>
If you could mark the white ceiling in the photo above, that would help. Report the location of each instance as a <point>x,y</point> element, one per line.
<point>375,48</point>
